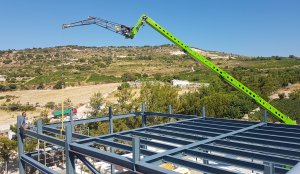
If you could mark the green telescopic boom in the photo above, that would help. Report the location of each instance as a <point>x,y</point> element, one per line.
<point>231,80</point>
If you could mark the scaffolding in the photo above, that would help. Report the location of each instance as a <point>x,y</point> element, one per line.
<point>194,143</point>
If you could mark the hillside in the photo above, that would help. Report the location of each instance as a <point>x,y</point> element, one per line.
<point>40,71</point>
<point>42,68</point>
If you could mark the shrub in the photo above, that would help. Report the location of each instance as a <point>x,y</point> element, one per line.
<point>50,105</point>
<point>58,85</point>
<point>129,77</point>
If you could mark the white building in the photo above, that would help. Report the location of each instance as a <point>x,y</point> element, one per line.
<point>2,78</point>
<point>180,83</point>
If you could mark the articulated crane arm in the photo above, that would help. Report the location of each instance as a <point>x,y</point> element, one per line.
<point>130,32</point>
<point>112,26</point>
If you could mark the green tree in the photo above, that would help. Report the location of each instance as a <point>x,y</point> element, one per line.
<point>96,101</point>
<point>7,149</point>
<point>59,85</point>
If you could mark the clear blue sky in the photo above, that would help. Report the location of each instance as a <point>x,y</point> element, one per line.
<point>253,27</point>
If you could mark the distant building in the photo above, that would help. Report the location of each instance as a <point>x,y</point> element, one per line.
<point>187,84</point>
<point>7,133</point>
<point>3,78</point>
<point>180,83</point>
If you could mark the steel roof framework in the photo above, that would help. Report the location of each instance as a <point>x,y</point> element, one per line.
<point>209,145</point>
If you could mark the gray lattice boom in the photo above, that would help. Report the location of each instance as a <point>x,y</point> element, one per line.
<point>209,145</point>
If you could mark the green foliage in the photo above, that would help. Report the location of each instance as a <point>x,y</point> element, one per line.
<point>7,148</point>
<point>126,101</point>
<point>123,86</point>
<point>30,145</point>
<point>219,99</point>
<point>157,97</point>
<point>103,78</point>
<point>59,85</point>
<point>9,87</point>
<point>290,106</point>
<point>50,105</point>
<point>7,61</point>
<point>19,107</point>
<point>96,101</point>
<point>130,77</point>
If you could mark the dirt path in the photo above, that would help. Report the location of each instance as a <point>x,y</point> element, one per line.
<point>286,91</point>
<point>78,95</point>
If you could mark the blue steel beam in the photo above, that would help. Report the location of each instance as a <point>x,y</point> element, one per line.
<point>249,153</point>
<point>191,131</point>
<point>281,128</point>
<point>37,165</point>
<point>197,166</point>
<point>271,137</point>
<point>281,125</point>
<point>101,155</point>
<point>265,142</point>
<point>87,163</point>
<point>122,146</point>
<point>118,160</point>
<point>176,134</point>
<point>98,119</point>
<point>105,118</point>
<point>224,121</point>
<point>202,128</point>
<point>195,144</point>
<point>162,138</point>
<point>46,138</point>
<point>232,123</point>
<point>221,159</point>
<point>129,131</point>
<point>177,116</point>
<point>279,133</point>
<point>224,160</point>
<point>208,168</point>
<point>241,163</point>
<point>145,142</point>
<point>59,132</point>
<point>215,125</point>
<point>260,148</point>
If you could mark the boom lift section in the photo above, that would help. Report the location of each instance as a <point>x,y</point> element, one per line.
<point>130,32</point>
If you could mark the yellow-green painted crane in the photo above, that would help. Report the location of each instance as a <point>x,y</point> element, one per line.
<point>130,32</point>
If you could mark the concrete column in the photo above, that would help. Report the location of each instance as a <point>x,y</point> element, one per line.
<point>70,157</point>
<point>20,147</point>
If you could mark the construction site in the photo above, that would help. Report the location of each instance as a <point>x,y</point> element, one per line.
<point>187,144</point>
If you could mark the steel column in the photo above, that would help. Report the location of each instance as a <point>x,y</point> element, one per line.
<point>170,109</point>
<point>144,116</point>
<point>39,131</point>
<point>136,151</point>
<point>111,131</point>
<point>203,112</point>
<point>269,168</point>
<point>20,147</point>
<point>70,158</point>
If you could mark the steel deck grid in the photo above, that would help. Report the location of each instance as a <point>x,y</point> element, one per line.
<point>197,143</point>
